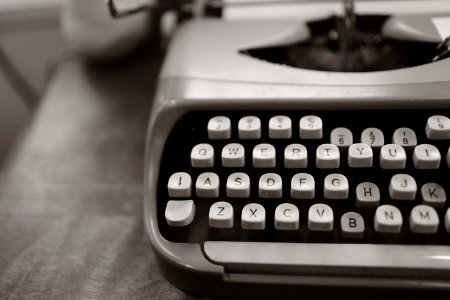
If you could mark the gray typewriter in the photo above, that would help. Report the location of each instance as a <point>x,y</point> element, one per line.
<point>301,148</point>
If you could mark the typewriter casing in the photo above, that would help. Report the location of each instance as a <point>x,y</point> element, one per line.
<point>205,71</point>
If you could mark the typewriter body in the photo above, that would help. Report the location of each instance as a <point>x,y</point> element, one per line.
<point>281,160</point>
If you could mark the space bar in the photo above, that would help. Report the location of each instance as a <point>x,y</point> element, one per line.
<point>355,259</point>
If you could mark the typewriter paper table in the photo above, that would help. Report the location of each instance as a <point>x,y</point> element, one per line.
<point>71,193</point>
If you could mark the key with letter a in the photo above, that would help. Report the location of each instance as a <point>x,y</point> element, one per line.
<point>207,185</point>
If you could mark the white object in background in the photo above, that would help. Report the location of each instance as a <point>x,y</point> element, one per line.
<point>442,25</point>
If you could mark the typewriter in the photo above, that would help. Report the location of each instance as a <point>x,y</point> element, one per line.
<point>301,148</point>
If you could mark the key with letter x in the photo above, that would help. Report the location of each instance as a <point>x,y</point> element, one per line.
<point>253,217</point>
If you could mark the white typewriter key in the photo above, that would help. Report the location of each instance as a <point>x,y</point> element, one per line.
<point>447,220</point>
<point>392,156</point>
<point>433,194</point>
<point>253,217</point>
<point>311,128</point>
<point>180,212</point>
<point>388,219</point>
<point>341,137</point>
<point>249,127</point>
<point>360,156</point>
<point>303,186</point>
<point>238,185</point>
<point>367,195</point>
<point>233,156</point>
<point>423,219</point>
<point>207,185</point>
<point>221,215</point>
<point>327,157</point>
<point>280,127</point>
<point>335,187</point>
<point>373,137</point>
<point>287,217</point>
<point>264,156</point>
<point>320,217</point>
<point>405,137</point>
<point>219,128</point>
<point>202,156</point>
<point>179,185</point>
<point>447,157</point>
<point>426,156</point>
<point>295,156</point>
<point>352,225</point>
<point>402,187</point>
<point>270,186</point>
<point>438,128</point>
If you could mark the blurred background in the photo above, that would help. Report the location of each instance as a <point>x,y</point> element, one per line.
<point>29,40</point>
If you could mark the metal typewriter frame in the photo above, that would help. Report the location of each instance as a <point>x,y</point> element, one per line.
<point>189,82</point>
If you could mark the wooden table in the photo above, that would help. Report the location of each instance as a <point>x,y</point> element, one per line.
<point>71,194</point>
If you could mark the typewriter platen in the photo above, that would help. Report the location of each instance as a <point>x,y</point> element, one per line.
<point>302,144</point>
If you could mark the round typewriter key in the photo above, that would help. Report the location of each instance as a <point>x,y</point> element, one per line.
<point>207,185</point>
<point>264,156</point>
<point>341,137</point>
<point>335,187</point>
<point>402,187</point>
<point>320,217</point>
<point>438,128</point>
<point>392,156</point>
<point>327,157</point>
<point>202,156</point>
<point>219,128</point>
<point>280,127</point>
<point>180,213</point>
<point>360,156</point>
<point>233,156</point>
<point>388,219</point>
<point>270,186</point>
<point>295,156</point>
<point>423,219</point>
<point>447,157</point>
<point>287,217</point>
<point>249,127</point>
<point>405,137</point>
<point>447,220</point>
<point>373,137</point>
<point>352,225</point>
<point>221,215</point>
<point>426,156</point>
<point>433,194</point>
<point>238,185</point>
<point>367,195</point>
<point>303,186</point>
<point>253,217</point>
<point>311,127</point>
<point>179,185</point>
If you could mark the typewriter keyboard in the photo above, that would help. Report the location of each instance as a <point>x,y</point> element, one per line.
<point>375,176</point>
